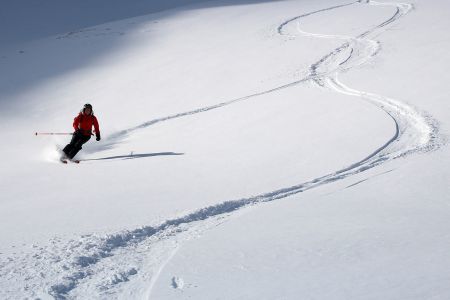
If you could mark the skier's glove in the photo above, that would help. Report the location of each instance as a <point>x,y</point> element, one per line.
<point>97,137</point>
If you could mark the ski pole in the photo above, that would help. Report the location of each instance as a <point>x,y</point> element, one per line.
<point>53,133</point>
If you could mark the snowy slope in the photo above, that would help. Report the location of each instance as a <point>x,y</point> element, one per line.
<point>266,150</point>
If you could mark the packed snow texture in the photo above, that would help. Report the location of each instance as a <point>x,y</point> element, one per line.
<point>250,150</point>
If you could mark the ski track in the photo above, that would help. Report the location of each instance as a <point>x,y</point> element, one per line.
<point>98,264</point>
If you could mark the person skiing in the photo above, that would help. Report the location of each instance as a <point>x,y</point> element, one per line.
<point>83,130</point>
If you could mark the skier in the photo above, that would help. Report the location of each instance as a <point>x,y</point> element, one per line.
<point>83,130</point>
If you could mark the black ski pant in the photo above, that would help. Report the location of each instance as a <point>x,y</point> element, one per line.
<point>76,144</point>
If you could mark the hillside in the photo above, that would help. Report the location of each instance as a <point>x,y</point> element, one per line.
<point>250,150</point>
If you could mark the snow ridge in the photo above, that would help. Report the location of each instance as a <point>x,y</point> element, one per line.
<point>98,265</point>
<point>415,131</point>
<point>358,50</point>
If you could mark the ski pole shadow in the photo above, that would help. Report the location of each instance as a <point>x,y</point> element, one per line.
<point>133,156</point>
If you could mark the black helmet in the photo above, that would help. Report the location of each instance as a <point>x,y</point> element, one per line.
<point>87,105</point>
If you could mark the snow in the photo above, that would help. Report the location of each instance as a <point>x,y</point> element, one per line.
<point>250,150</point>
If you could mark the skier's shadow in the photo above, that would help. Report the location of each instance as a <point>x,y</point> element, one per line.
<point>133,156</point>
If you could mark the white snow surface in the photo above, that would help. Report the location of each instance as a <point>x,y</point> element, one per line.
<point>290,149</point>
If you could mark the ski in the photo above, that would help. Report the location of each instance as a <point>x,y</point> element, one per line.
<point>66,160</point>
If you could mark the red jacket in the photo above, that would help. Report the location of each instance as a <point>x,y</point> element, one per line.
<point>85,123</point>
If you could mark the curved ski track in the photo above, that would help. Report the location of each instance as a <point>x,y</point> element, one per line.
<point>97,265</point>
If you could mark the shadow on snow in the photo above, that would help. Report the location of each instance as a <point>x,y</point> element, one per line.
<point>134,156</point>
